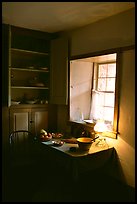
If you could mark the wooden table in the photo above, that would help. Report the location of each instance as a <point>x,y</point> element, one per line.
<point>77,162</point>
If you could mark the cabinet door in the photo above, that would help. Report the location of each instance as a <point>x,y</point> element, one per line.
<point>19,119</point>
<point>59,71</point>
<point>39,120</point>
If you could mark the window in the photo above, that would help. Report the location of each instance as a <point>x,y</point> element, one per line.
<point>103,93</point>
<point>93,90</point>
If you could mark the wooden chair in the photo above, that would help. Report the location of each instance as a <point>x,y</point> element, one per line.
<point>23,168</point>
<point>22,150</point>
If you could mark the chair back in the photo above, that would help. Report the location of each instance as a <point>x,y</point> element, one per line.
<point>21,142</point>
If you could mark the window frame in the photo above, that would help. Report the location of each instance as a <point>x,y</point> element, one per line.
<point>96,77</point>
<point>118,51</point>
<point>114,133</point>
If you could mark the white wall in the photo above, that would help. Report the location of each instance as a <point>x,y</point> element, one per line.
<point>127,97</point>
<point>126,145</point>
<point>113,32</point>
<point>80,89</point>
<point>126,154</point>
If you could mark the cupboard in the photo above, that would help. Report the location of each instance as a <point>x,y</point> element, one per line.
<point>29,66</point>
<point>32,119</point>
<point>26,78</point>
<point>35,77</point>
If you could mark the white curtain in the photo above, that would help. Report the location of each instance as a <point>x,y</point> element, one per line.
<point>95,111</point>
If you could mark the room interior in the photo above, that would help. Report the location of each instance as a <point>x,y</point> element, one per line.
<point>75,30</point>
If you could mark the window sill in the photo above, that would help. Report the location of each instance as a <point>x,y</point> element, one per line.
<point>110,134</point>
<point>81,123</point>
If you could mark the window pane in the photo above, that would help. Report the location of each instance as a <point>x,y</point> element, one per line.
<point>102,71</point>
<point>111,70</point>
<point>110,86</point>
<point>105,113</point>
<point>102,84</point>
<point>99,114</point>
<point>109,99</point>
<point>108,114</point>
<point>101,99</point>
<point>106,99</point>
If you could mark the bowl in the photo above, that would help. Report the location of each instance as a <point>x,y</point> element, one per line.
<point>84,143</point>
<point>31,101</point>
<point>45,138</point>
<point>57,135</point>
<point>57,143</point>
<point>15,102</point>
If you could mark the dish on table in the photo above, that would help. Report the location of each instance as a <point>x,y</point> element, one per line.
<point>57,135</point>
<point>57,143</point>
<point>45,138</point>
<point>70,140</point>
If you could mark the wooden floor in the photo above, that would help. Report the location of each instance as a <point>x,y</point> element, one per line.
<point>37,184</point>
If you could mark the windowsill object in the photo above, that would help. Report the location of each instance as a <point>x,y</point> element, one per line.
<point>90,126</point>
<point>78,128</point>
<point>83,122</point>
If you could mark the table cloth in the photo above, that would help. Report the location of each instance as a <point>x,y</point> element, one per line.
<point>77,162</point>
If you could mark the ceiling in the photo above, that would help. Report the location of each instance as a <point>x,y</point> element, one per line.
<point>59,16</point>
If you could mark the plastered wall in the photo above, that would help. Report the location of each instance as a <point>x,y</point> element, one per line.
<point>113,32</point>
